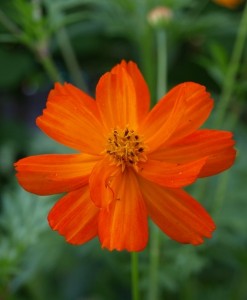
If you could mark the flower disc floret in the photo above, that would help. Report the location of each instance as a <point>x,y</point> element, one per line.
<point>125,147</point>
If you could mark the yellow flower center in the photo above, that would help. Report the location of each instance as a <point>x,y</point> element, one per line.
<point>125,147</point>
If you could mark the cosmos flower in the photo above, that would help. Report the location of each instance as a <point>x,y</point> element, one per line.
<point>132,163</point>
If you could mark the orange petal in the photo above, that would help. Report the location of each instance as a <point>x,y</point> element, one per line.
<point>103,182</point>
<point>72,118</point>
<point>215,144</point>
<point>75,217</point>
<point>218,162</point>
<point>170,174</point>
<point>116,99</point>
<point>141,88</point>
<point>53,174</point>
<point>180,216</point>
<point>164,118</point>
<point>183,110</point>
<point>123,225</point>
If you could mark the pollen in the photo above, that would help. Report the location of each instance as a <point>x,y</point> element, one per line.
<point>126,148</point>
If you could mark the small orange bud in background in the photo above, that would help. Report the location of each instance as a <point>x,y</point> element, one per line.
<point>228,3</point>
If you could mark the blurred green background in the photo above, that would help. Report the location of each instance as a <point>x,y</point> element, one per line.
<point>42,41</point>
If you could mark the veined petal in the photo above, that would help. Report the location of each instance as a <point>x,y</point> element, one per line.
<point>72,118</point>
<point>183,110</point>
<point>54,174</point>
<point>171,174</point>
<point>198,109</point>
<point>75,217</point>
<point>116,99</point>
<point>215,144</point>
<point>123,224</point>
<point>103,182</point>
<point>180,216</point>
<point>164,118</point>
<point>141,88</point>
<point>218,162</point>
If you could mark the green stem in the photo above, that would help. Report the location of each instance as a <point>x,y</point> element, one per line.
<point>70,58</point>
<point>147,59</point>
<point>41,48</point>
<point>220,192</point>
<point>50,68</point>
<point>161,63</point>
<point>9,25</point>
<point>134,276</point>
<point>228,85</point>
<point>222,184</point>
<point>37,12</point>
<point>44,58</point>
<point>227,91</point>
<point>153,292</point>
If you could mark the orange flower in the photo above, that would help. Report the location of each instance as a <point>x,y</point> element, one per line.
<point>229,3</point>
<point>132,163</point>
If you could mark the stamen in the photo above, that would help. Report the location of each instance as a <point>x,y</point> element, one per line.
<point>125,147</point>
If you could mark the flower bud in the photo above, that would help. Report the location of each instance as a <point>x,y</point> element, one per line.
<point>160,16</point>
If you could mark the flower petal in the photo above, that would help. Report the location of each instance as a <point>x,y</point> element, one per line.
<point>116,99</point>
<point>171,174</point>
<point>198,109</point>
<point>72,118</point>
<point>180,216</point>
<point>218,162</point>
<point>103,181</point>
<point>123,224</point>
<point>75,217</point>
<point>53,174</point>
<point>141,88</point>
<point>215,144</point>
<point>164,118</point>
<point>179,113</point>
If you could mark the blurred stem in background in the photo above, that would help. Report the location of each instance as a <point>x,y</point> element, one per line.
<point>221,110</point>
<point>49,66</point>
<point>161,44</point>
<point>153,288</point>
<point>32,35</point>
<point>233,68</point>
<point>41,47</point>
<point>70,58</point>
<point>144,39</point>
<point>135,276</point>
<point>9,25</point>
<point>159,19</point>
<point>147,60</point>
<point>67,51</point>
<point>161,63</point>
